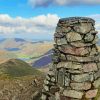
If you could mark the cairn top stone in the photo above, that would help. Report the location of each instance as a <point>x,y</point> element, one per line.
<point>77,19</point>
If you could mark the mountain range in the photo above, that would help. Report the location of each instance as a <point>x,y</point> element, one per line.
<point>30,51</point>
<point>36,53</point>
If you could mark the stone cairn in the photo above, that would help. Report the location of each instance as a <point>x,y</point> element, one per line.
<point>75,70</point>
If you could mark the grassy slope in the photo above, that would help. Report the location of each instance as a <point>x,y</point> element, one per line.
<point>16,68</point>
<point>20,88</point>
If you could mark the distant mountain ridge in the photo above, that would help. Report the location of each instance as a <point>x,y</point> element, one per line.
<point>29,51</point>
<point>20,40</point>
<point>44,60</point>
<point>17,68</point>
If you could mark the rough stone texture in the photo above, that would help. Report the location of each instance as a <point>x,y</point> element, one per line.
<point>73,94</point>
<point>81,86</point>
<point>72,36</point>
<point>75,72</point>
<point>82,77</point>
<point>69,65</point>
<point>74,51</point>
<point>96,83</point>
<point>91,93</point>
<point>89,67</point>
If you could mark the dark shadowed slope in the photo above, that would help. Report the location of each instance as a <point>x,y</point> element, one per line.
<point>44,60</point>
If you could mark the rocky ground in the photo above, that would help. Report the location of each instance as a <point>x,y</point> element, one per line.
<point>23,88</point>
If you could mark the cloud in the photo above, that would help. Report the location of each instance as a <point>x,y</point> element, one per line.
<point>96,17</point>
<point>45,3</point>
<point>41,25</point>
<point>40,2</point>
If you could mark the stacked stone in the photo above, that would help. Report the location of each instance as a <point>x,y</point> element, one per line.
<point>75,71</point>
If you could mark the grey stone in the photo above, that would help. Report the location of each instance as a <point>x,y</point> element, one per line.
<point>61,41</point>
<point>55,58</point>
<point>81,44</point>
<point>63,29</point>
<point>95,40</point>
<point>74,71</point>
<point>83,59</point>
<point>62,57</point>
<point>58,29</point>
<point>46,82</point>
<point>88,67</point>
<point>60,77</point>
<point>83,28</point>
<point>53,79</point>
<point>96,83</point>
<point>82,77</point>
<point>73,94</point>
<point>51,73</point>
<point>81,86</point>
<point>73,36</point>
<point>93,51</point>
<point>97,74</point>
<point>74,20</point>
<point>46,87</point>
<point>58,35</point>
<point>66,29</point>
<point>57,96</point>
<point>89,37</point>
<point>67,79</point>
<point>44,97</point>
<point>98,64</point>
<point>48,77</point>
<point>69,65</point>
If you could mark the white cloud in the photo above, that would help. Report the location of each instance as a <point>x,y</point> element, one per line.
<point>45,3</point>
<point>39,26</point>
<point>96,17</point>
<point>43,24</point>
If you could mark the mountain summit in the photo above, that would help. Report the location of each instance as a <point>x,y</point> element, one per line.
<point>17,68</point>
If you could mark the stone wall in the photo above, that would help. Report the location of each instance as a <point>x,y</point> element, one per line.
<point>75,70</point>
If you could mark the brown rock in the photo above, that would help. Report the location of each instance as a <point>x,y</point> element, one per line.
<point>81,86</point>
<point>73,94</point>
<point>58,35</point>
<point>80,44</point>
<point>63,29</point>
<point>54,89</point>
<point>83,59</point>
<point>75,51</point>
<point>90,67</point>
<point>91,93</point>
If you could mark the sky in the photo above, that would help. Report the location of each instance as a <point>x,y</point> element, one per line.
<point>37,19</point>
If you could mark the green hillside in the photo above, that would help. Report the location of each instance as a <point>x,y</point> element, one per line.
<point>17,68</point>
